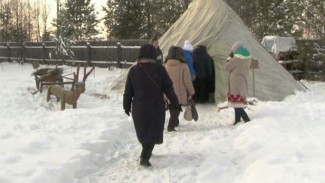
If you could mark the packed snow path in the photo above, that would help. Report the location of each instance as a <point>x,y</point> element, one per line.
<point>96,143</point>
<point>181,156</point>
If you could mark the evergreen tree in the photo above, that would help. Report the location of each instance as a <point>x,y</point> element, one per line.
<point>165,14</point>
<point>142,19</point>
<point>266,17</point>
<point>77,20</point>
<point>309,16</point>
<point>273,19</point>
<point>5,21</point>
<point>124,18</point>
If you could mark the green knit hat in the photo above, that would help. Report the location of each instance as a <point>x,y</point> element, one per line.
<point>240,51</point>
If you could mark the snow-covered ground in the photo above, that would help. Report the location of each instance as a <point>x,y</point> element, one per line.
<point>96,143</point>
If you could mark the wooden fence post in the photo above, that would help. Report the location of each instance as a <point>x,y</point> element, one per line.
<point>23,51</point>
<point>9,52</point>
<point>119,54</point>
<point>44,52</point>
<point>63,58</point>
<point>89,54</point>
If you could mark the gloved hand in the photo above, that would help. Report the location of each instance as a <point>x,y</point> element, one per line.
<point>180,108</point>
<point>127,112</point>
<point>189,97</point>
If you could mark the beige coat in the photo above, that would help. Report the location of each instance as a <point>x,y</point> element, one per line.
<point>181,77</point>
<point>238,81</point>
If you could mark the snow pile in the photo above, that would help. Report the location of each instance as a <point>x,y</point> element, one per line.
<point>41,143</point>
<point>96,143</point>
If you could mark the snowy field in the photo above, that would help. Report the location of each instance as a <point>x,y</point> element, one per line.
<point>96,143</point>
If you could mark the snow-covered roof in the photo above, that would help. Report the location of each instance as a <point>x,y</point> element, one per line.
<point>277,44</point>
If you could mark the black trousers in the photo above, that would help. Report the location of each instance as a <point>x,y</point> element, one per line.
<point>173,120</point>
<point>146,151</point>
<point>201,90</point>
<point>240,113</point>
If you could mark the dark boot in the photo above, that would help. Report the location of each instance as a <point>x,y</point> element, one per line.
<point>245,116</point>
<point>170,129</point>
<point>240,113</point>
<point>177,123</point>
<point>237,116</point>
<point>145,162</point>
<point>146,154</point>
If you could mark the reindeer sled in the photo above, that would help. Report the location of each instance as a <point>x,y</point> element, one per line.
<point>46,76</point>
<point>69,97</point>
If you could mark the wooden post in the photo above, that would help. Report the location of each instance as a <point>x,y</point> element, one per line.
<point>23,52</point>
<point>253,82</point>
<point>63,57</point>
<point>44,52</point>
<point>119,54</point>
<point>88,53</point>
<point>254,65</point>
<point>9,52</point>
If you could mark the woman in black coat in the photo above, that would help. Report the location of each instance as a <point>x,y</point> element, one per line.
<point>204,70</point>
<point>146,84</point>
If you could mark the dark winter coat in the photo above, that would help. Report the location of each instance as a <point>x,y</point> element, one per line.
<point>202,63</point>
<point>147,100</point>
<point>212,79</point>
<point>160,57</point>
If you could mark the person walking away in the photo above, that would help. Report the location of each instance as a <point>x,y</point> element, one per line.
<point>179,73</point>
<point>203,71</point>
<point>212,81</point>
<point>146,84</point>
<point>238,68</point>
<point>155,43</point>
<point>188,48</point>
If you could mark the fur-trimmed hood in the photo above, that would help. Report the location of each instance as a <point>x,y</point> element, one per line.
<point>176,53</point>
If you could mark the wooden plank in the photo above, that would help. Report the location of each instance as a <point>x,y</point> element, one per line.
<point>57,83</point>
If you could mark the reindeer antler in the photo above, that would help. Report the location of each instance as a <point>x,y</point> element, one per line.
<point>75,78</point>
<point>86,74</point>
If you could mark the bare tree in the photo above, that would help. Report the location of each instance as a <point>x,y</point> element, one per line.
<point>37,19</point>
<point>29,21</point>
<point>45,16</point>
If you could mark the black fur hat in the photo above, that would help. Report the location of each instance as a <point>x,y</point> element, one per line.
<point>148,51</point>
<point>177,53</point>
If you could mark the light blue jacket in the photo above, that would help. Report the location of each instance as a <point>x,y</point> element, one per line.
<point>189,60</point>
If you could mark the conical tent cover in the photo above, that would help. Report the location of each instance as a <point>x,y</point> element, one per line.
<point>214,24</point>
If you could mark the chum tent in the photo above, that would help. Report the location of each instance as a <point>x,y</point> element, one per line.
<point>214,24</point>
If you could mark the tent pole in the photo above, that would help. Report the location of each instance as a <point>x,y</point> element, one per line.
<point>253,83</point>
<point>253,66</point>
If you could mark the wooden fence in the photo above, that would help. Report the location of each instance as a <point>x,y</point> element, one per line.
<point>120,53</point>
